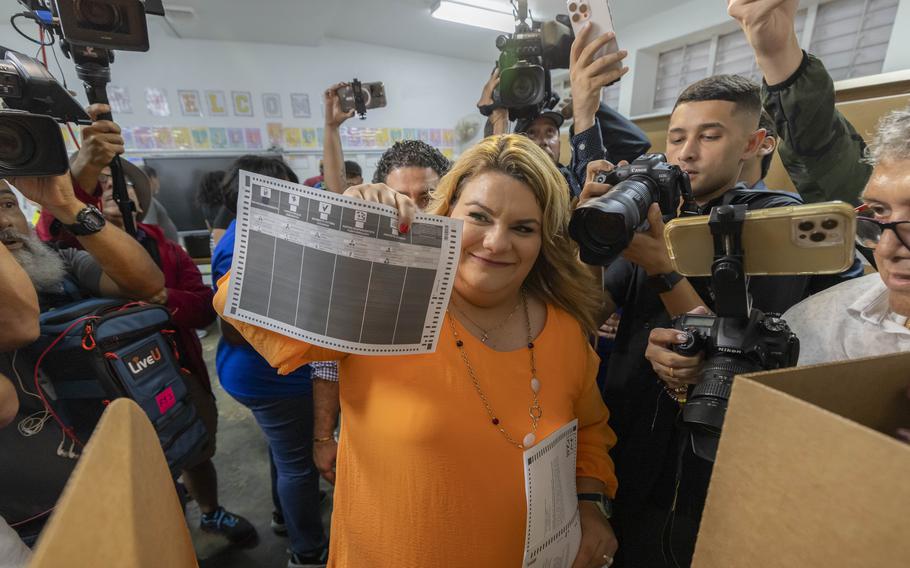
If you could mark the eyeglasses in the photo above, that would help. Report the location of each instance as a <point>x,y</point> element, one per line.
<point>869,231</point>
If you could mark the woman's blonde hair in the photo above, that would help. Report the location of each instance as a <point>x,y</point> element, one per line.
<point>557,277</point>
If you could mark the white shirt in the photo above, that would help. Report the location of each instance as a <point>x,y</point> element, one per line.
<point>848,321</point>
<point>13,552</point>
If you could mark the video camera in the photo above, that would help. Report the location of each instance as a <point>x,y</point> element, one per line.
<point>604,227</point>
<point>525,60</point>
<point>88,31</point>
<point>100,24</point>
<point>31,143</point>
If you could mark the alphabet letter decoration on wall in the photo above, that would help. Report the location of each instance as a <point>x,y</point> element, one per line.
<point>243,103</point>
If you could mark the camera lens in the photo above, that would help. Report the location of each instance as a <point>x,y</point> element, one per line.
<point>99,16</point>
<point>806,226</point>
<point>524,87</point>
<point>817,237</point>
<point>707,405</point>
<point>829,224</point>
<point>604,226</point>
<point>17,147</point>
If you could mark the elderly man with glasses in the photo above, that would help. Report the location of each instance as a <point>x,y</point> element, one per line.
<point>869,316</point>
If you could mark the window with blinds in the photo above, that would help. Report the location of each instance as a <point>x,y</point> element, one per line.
<point>678,68</point>
<point>851,36</point>
<point>734,55</point>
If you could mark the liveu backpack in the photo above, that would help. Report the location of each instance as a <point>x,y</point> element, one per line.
<point>93,351</point>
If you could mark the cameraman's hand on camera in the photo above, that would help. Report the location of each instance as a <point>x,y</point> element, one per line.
<point>100,143</point>
<point>768,25</point>
<point>678,371</point>
<point>54,194</point>
<point>649,249</point>
<point>381,193</point>
<point>334,116</point>
<point>592,189</point>
<point>589,75</point>
<point>499,118</point>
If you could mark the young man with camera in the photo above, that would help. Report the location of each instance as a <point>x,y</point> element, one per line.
<point>713,131</point>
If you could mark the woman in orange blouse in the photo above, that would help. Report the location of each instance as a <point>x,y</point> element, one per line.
<point>430,470</point>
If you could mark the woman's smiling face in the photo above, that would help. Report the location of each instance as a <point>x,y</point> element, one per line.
<point>502,235</point>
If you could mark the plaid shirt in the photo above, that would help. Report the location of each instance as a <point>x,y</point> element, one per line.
<point>325,370</point>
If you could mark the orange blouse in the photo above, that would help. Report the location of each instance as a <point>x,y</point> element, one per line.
<point>423,477</point>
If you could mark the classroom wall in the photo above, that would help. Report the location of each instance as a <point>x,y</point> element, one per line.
<point>424,91</point>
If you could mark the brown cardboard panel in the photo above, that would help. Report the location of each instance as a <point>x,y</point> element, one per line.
<point>120,507</point>
<point>870,391</point>
<point>795,485</point>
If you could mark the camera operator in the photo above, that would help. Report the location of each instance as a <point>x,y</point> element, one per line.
<point>598,132</point>
<point>713,131</point>
<point>111,265</point>
<point>100,143</point>
<point>822,152</point>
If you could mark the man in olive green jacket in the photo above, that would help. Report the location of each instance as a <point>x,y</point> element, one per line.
<point>822,152</point>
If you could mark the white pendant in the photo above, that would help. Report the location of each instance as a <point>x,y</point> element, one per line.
<point>535,385</point>
<point>529,440</point>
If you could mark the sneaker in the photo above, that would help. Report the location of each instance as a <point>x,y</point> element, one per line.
<point>233,527</point>
<point>278,526</point>
<point>312,560</point>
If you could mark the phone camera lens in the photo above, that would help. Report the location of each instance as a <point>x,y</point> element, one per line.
<point>818,237</point>
<point>829,224</point>
<point>806,225</point>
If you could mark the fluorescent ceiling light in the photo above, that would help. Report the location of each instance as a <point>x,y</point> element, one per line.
<point>483,14</point>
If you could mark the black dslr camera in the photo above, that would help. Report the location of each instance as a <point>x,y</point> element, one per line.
<point>604,227</point>
<point>31,143</point>
<point>737,340</point>
<point>525,61</point>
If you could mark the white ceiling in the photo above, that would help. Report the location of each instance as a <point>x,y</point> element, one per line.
<point>404,24</point>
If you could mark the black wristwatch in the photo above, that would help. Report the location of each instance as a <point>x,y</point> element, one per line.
<point>88,222</point>
<point>663,283</point>
<point>602,501</point>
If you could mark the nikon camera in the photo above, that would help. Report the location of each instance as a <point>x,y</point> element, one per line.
<point>732,346</point>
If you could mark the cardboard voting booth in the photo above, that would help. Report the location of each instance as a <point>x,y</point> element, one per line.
<point>120,507</point>
<point>808,473</point>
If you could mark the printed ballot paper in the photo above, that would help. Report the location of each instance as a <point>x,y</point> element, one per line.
<point>553,532</point>
<point>335,272</point>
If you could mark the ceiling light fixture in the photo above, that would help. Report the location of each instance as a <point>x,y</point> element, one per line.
<point>480,13</point>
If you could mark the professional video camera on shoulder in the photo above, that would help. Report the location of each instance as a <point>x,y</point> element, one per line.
<point>604,227</point>
<point>525,61</point>
<point>31,143</point>
<point>88,31</point>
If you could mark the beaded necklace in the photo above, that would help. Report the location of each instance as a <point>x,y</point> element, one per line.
<point>535,411</point>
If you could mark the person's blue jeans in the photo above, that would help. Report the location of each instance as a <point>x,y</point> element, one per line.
<point>288,426</point>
